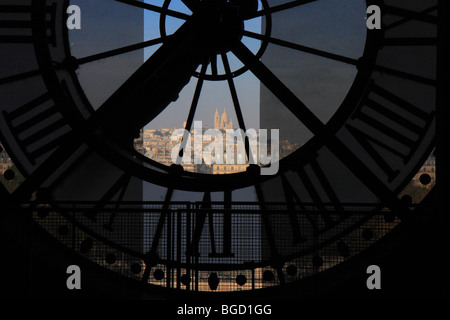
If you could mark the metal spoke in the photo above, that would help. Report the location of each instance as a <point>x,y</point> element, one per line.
<point>236,104</point>
<point>196,97</point>
<point>20,76</point>
<point>289,99</point>
<point>214,66</point>
<point>191,114</point>
<point>87,59</point>
<point>302,48</point>
<point>122,50</point>
<point>280,7</point>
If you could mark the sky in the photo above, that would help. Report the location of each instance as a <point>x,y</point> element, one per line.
<point>332,25</point>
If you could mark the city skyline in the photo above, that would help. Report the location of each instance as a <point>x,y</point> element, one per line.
<point>161,144</point>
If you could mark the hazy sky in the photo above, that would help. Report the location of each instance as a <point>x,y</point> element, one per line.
<point>332,25</point>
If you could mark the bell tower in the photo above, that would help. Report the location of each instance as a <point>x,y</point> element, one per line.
<point>216,120</point>
<point>224,120</point>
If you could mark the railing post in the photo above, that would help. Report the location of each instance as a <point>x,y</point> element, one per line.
<point>188,241</point>
<point>179,212</point>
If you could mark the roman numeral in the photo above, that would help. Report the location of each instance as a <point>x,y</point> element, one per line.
<point>115,193</point>
<point>269,235</point>
<point>326,208</point>
<point>408,39</point>
<point>16,23</point>
<point>401,124</point>
<point>151,256</point>
<point>37,126</point>
<point>225,232</point>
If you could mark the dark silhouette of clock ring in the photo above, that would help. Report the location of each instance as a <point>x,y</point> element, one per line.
<point>80,179</point>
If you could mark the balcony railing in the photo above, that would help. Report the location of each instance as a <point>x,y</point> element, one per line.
<point>242,245</point>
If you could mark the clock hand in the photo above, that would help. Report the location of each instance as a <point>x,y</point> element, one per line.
<point>142,97</point>
<point>153,86</point>
<point>213,26</point>
<point>150,89</point>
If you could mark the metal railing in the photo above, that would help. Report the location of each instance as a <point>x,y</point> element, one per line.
<point>211,246</point>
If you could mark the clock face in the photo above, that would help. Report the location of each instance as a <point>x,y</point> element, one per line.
<point>355,108</point>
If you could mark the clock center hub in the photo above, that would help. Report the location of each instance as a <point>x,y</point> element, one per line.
<point>220,23</point>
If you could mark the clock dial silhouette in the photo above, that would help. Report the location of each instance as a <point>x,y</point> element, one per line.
<point>359,104</point>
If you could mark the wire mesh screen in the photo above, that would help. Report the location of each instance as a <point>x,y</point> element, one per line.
<point>214,246</point>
